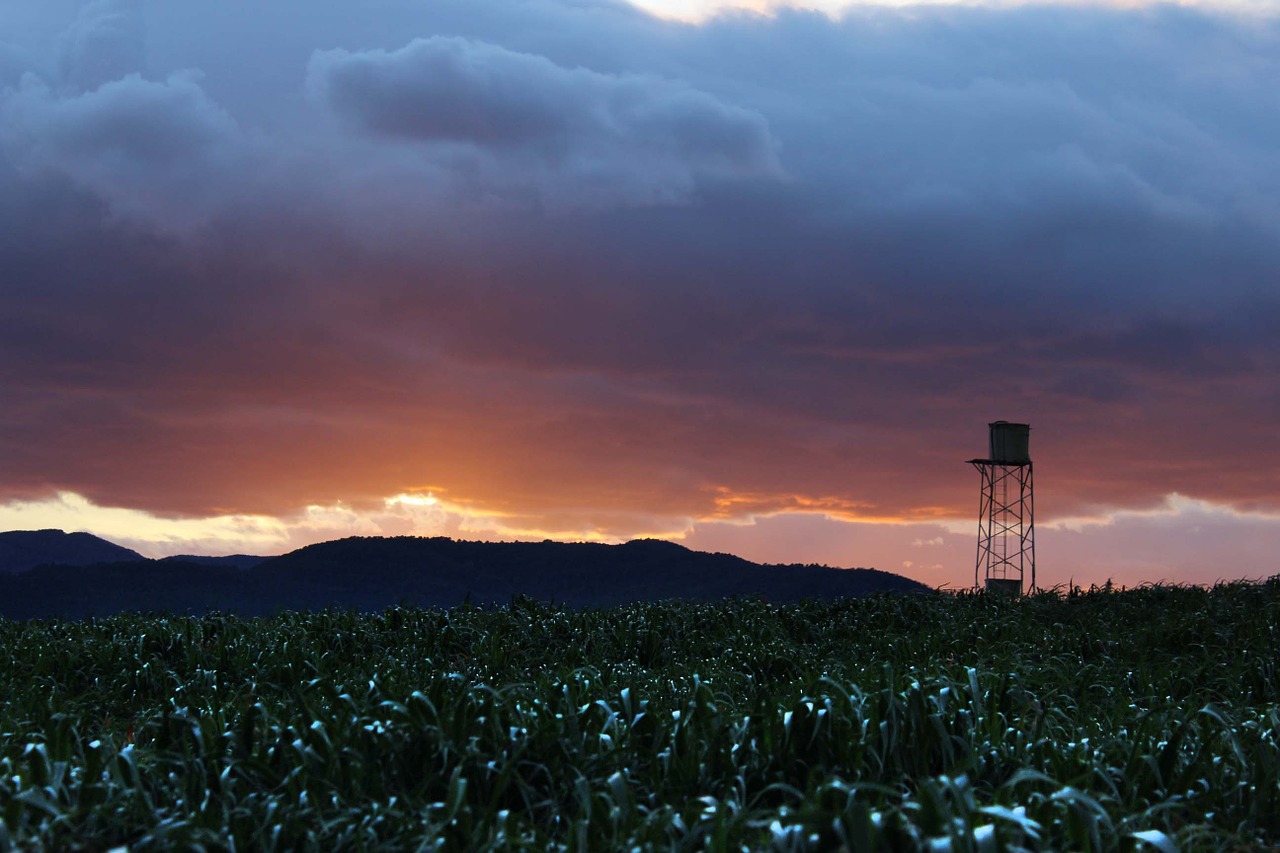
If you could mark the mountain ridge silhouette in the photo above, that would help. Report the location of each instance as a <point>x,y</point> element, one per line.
<point>375,573</point>
<point>21,550</point>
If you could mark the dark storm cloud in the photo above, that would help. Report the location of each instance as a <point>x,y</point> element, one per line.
<point>158,148</point>
<point>143,125</point>
<point>617,137</point>
<point>554,256</point>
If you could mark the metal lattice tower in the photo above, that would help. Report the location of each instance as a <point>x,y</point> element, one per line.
<point>1006,512</point>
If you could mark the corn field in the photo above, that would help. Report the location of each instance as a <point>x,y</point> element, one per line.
<point>1081,720</point>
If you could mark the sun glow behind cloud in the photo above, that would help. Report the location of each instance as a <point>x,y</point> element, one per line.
<point>405,514</point>
<point>1183,539</point>
<point>602,275</point>
<point>149,534</point>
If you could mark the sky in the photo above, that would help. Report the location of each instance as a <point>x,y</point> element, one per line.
<point>753,277</point>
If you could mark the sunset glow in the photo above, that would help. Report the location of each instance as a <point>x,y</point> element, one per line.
<point>1180,540</point>
<point>754,283</point>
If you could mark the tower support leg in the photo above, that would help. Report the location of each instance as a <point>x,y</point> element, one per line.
<point>1006,557</point>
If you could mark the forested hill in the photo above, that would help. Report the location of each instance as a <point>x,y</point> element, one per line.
<point>372,573</point>
<point>24,549</point>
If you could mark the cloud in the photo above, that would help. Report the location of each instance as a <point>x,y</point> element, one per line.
<point>13,62</point>
<point>147,148</point>
<point>585,136</point>
<point>1178,541</point>
<point>150,535</point>
<point>704,10</point>
<point>589,271</point>
<point>154,535</point>
<point>104,43</point>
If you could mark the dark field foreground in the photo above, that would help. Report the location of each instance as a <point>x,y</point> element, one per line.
<point>1106,721</point>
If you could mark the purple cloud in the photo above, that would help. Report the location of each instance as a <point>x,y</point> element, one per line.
<point>565,258</point>
<point>158,149</point>
<point>640,137</point>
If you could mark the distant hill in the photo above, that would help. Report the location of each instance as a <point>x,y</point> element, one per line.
<point>105,589</point>
<point>25,549</point>
<point>231,561</point>
<point>364,571</point>
<point>374,573</point>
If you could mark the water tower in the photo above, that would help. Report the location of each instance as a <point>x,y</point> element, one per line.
<point>1006,513</point>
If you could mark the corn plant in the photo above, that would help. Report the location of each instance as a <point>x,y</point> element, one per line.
<point>1083,720</point>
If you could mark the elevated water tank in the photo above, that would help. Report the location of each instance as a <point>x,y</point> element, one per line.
<point>1009,443</point>
<point>1005,586</point>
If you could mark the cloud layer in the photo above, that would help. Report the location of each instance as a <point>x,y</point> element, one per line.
<point>518,120</point>
<point>605,272</point>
